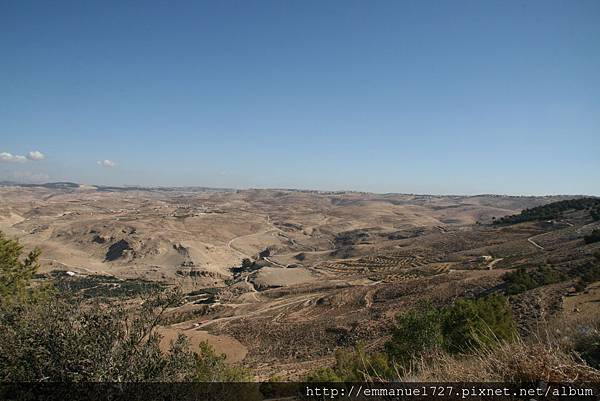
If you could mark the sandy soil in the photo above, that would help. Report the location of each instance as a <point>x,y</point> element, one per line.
<point>269,277</point>
<point>222,344</point>
<point>358,259</point>
<point>586,303</point>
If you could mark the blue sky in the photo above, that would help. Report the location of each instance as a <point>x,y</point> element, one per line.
<point>459,97</point>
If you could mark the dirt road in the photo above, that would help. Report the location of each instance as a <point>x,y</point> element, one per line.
<point>532,242</point>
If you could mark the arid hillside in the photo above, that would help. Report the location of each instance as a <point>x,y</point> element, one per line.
<point>279,279</point>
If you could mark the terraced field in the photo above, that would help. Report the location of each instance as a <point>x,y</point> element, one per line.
<point>282,277</point>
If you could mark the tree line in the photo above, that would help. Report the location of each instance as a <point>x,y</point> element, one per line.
<point>553,211</point>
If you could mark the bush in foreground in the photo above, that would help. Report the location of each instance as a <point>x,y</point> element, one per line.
<point>16,272</point>
<point>422,335</point>
<point>512,362</point>
<point>354,367</point>
<point>57,340</point>
<point>49,336</point>
<point>469,323</point>
<point>416,333</point>
<point>561,354</point>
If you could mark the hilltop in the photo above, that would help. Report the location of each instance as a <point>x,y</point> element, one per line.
<point>280,279</point>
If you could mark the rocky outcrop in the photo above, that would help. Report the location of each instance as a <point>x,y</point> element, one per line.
<point>117,250</point>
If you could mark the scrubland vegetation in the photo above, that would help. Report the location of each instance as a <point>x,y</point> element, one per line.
<point>554,210</point>
<point>51,334</point>
<point>453,297</point>
<point>523,279</point>
<point>426,333</point>
<point>473,340</point>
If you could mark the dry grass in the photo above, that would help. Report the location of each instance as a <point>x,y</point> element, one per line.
<point>550,357</point>
<point>553,355</point>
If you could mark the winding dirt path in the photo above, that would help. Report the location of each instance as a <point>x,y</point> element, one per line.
<point>275,263</point>
<point>231,241</point>
<point>490,265</point>
<point>268,308</point>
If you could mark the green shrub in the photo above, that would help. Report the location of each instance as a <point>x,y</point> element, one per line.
<point>519,281</point>
<point>474,323</point>
<point>587,273</point>
<point>211,367</point>
<point>415,333</point>
<point>322,375</point>
<point>353,367</point>
<point>465,325</point>
<point>59,338</point>
<point>594,236</point>
<point>553,210</point>
<point>523,280</point>
<point>63,340</point>
<point>460,328</point>
<point>16,272</point>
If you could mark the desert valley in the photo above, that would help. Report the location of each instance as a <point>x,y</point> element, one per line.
<point>279,279</point>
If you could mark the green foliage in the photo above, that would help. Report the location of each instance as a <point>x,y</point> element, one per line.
<point>211,367</point>
<point>594,236</point>
<point>523,280</point>
<point>323,375</point>
<point>16,273</point>
<point>415,333</point>
<point>460,328</point>
<point>67,341</point>
<point>354,366</point>
<point>586,274</point>
<point>465,325</point>
<point>471,324</point>
<point>553,211</point>
<point>98,286</point>
<point>60,340</point>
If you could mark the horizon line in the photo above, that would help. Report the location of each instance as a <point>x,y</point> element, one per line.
<point>159,187</point>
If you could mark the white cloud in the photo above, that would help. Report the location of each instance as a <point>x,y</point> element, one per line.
<point>9,157</point>
<point>35,155</point>
<point>106,163</point>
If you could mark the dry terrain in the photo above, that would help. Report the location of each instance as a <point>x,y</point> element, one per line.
<point>325,269</point>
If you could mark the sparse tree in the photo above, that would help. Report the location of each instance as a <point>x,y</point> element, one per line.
<point>416,332</point>
<point>16,272</point>
<point>61,338</point>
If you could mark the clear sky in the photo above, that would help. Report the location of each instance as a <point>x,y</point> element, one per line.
<point>458,97</point>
